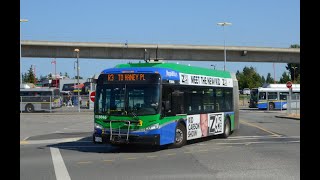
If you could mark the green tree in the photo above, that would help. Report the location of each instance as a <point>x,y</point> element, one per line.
<point>249,78</point>
<point>24,77</point>
<point>269,79</point>
<point>298,79</point>
<point>294,46</point>
<point>285,78</point>
<point>76,77</point>
<point>263,80</point>
<point>66,75</point>
<point>294,68</point>
<point>30,78</point>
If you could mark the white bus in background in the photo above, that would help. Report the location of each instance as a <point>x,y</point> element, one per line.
<point>39,99</point>
<point>272,96</point>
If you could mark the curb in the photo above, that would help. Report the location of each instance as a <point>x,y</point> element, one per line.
<point>288,117</point>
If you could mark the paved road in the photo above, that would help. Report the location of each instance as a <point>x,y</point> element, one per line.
<point>264,147</point>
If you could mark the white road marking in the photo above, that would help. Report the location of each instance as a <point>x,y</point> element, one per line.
<point>50,141</point>
<point>25,138</point>
<point>59,166</point>
<point>232,137</point>
<point>264,142</point>
<point>259,137</point>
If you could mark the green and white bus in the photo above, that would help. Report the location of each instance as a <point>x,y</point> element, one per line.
<point>164,103</point>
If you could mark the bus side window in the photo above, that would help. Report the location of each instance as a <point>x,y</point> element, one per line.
<point>272,95</point>
<point>167,97</point>
<point>262,96</point>
<point>283,95</point>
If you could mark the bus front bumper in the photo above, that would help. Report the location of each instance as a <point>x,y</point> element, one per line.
<point>153,139</point>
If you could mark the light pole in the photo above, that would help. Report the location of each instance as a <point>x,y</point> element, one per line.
<point>34,73</point>
<point>223,24</point>
<point>21,20</point>
<point>294,71</point>
<point>74,72</point>
<point>77,51</point>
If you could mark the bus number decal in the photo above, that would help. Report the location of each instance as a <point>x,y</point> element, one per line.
<point>216,123</point>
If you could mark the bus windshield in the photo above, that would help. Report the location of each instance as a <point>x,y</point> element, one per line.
<point>123,99</point>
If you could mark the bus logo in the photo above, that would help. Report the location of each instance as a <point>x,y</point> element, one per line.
<point>184,79</point>
<point>216,123</point>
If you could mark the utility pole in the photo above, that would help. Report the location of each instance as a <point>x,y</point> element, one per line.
<point>77,51</point>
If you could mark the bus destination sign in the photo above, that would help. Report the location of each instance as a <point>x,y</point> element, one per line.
<point>132,78</point>
<point>126,77</point>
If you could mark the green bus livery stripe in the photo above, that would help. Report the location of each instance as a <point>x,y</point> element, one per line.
<point>181,68</point>
<point>147,121</point>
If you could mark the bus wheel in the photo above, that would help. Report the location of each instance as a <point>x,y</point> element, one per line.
<point>180,136</point>
<point>29,108</point>
<point>271,106</point>
<point>227,129</point>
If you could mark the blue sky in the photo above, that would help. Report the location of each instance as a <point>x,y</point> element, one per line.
<point>269,23</point>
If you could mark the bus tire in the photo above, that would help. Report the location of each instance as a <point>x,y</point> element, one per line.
<point>227,128</point>
<point>271,106</point>
<point>29,108</point>
<point>180,136</point>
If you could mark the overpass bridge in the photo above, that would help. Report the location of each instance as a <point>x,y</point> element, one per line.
<point>94,50</point>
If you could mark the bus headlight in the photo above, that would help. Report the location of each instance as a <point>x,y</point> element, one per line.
<point>97,126</point>
<point>152,127</point>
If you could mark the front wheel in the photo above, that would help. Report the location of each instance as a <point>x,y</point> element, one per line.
<point>29,108</point>
<point>180,136</point>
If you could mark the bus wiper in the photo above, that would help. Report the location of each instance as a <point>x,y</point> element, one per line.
<point>135,117</point>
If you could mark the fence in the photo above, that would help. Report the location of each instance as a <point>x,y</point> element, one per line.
<point>293,105</point>
<point>244,101</point>
<point>29,104</point>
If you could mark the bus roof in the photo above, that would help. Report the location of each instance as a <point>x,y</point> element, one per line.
<point>278,89</point>
<point>40,89</point>
<point>280,86</point>
<point>162,69</point>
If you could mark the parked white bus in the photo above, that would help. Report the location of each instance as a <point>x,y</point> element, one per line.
<point>39,99</point>
<point>273,96</point>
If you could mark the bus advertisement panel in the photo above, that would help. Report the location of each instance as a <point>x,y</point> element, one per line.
<point>164,103</point>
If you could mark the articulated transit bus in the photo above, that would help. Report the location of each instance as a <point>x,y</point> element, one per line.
<point>164,103</point>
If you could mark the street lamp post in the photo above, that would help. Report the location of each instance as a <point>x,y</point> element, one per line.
<point>21,20</point>
<point>294,71</point>
<point>223,24</point>
<point>34,73</point>
<point>77,51</point>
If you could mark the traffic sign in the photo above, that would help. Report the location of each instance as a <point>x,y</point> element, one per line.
<point>289,84</point>
<point>92,96</point>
